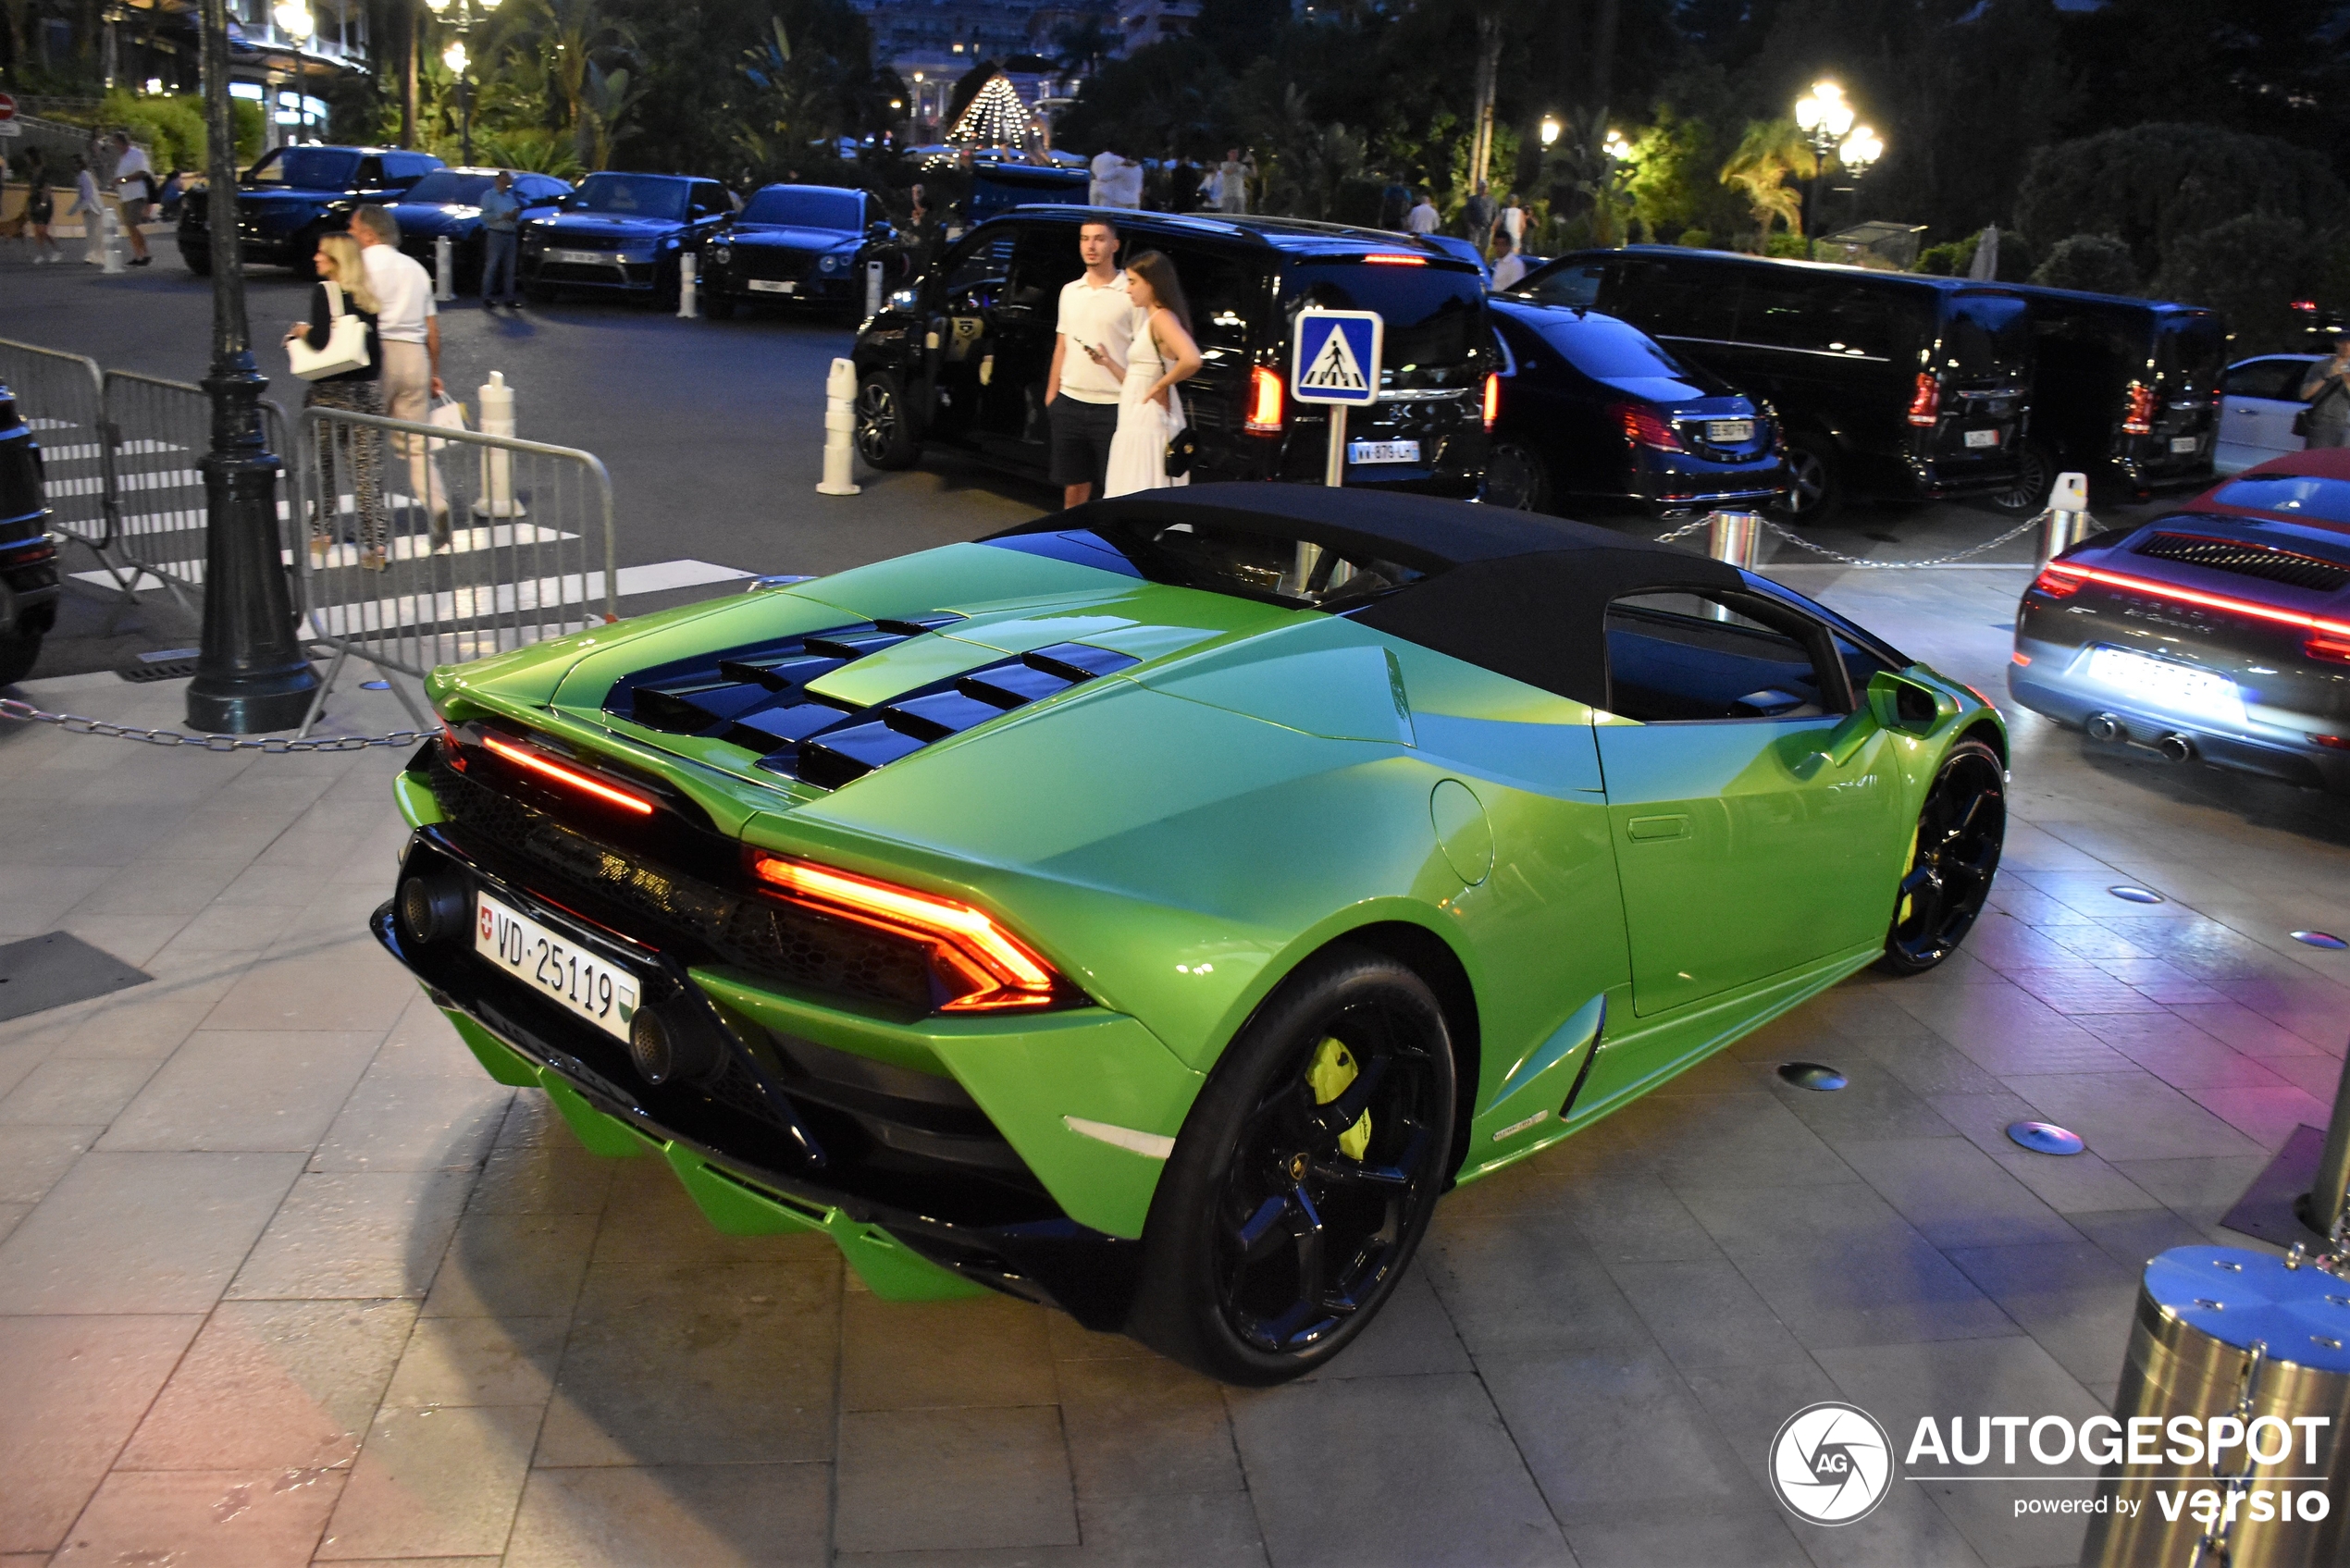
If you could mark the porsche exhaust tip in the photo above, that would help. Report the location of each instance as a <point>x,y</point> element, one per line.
<point>2176,747</point>
<point>2106,727</point>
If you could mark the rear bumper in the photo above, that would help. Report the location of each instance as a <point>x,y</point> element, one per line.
<point>2275,751</point>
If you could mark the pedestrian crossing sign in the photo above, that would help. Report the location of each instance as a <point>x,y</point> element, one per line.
<point>1335,358</point>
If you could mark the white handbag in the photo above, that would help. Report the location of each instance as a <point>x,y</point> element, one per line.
<point>449,414</point>
<point>346,344</point>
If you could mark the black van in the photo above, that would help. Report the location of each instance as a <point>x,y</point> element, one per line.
<point>959,357</point>
<point>1885,383</point>
<point>2124,391</point>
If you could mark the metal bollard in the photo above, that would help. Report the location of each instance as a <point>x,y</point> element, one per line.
<point>2067,521</point>
<point>497,494</point>
<point>115,247</point>
<point>872,290</point>
<point>840,426</point>
<point>1733,536</point>
<point>444,270</point>
<point>2248,1344</point>
<point>688,302</point>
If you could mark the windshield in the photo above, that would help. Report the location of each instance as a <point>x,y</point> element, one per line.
<point>447,187</point>
<point>1987,335</point>
<point>2290,495</point>
<point>631,195</point>
<point>1606,350</point>
<point>2193,351</point>
<point>807,206</point>
<point>1434,317</point>
<point>1244,563</point>
<point>306,168</point>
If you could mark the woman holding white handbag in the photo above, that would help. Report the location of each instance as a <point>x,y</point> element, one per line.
<point>337,352</point>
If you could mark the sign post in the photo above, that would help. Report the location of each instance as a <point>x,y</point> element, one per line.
<point>9,126</point>
<point>1335,362</point>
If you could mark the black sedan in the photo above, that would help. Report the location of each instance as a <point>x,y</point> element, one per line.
<point>622,233</point>
<point>1594,409</point>
<point>805,244</point>
<point>447,204</point>
<point>2221,636</point>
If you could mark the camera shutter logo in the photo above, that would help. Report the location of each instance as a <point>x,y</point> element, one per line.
<point>1831,1463</point>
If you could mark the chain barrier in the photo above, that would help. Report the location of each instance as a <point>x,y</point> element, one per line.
<point>2036,520</point>
<point>276,746</point>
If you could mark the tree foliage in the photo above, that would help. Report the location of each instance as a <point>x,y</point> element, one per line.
<point>2095,263</point>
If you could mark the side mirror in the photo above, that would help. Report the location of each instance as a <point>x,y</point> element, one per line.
<point>878,230</point>
<point>1901,704</point>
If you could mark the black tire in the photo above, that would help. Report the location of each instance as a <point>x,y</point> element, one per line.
<point>1952,859</point>
<point>1270,1245</point>
<point>2034,476</point>
<point>719,305</point>
<point>884,432</point>
<point>19,651</point>
<point>198,257</point>
<point>1516,476</point>
<point>1815,488</point>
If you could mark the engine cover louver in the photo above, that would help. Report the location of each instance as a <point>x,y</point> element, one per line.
<point>2265,562</point>
<point>757,699</point>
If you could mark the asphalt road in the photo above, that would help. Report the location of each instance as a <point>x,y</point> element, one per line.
<point>712,433</point>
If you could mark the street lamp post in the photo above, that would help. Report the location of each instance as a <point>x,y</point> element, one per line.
<point>458,60</point>
<point>1826,119</point>
<point>251,674</point>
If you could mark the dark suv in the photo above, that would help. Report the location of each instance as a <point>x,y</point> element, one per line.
<point>621,233</point>
<point>1884,383</point>
<point>959,357</point>
<point>28,555</point>
<point>293,195</point>
<point>2125,390</point>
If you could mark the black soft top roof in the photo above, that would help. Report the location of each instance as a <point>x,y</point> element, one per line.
<point>1520,595</point>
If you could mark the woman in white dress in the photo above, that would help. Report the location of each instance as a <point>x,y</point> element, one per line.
<point>1149,412</point>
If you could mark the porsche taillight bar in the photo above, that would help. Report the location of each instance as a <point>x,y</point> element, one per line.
<point>2321,637</point>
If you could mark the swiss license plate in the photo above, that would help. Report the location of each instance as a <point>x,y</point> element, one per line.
<point>2165,684</point>
<point>1721,432</point>
<point>2185,443</point>
<point>1382,451</point>
<point>1983,437</point>
<point>770,286</point>
<point>562,971</point>
<point>583,258</point>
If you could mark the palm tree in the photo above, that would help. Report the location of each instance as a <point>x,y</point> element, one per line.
<point>1768,153</point>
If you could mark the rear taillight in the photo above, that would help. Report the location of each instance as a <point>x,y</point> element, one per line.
<point>1642,428</point>
<point>578,779</point>
<point>2137,409</point>
<point>1264,402</point>
<point>1492,399</point>
<point>2328,642</point>
<point>1925,401</point>
<point>2054,584</point>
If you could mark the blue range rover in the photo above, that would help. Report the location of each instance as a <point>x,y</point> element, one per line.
<point>293,195</point>
<point>622,233</point>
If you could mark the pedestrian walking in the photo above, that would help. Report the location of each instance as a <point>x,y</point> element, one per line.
<point>1508,265</point>
<point>1117,181</point>
<point>1094,333</point>
<point>356,451</point>
<point>501,222</point>
<point>1232,182</point>
<point>2327,391</point>
<point>94,220</point>
<point>1394,203</point>
<point>1479,215</point>
<point>135,187</point>
<point>1423,218</point>
<point>1514,223</point>
<point>1183,186</point>
<point>409,328</point>
<point>39,206</point>
<point>1162,354</point>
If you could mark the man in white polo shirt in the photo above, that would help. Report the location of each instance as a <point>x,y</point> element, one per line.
<point>409,329</point>
<point>1093,341</point>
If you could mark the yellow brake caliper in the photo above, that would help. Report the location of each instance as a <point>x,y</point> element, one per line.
<point>1907,867</point>
<point>1332,1070</point>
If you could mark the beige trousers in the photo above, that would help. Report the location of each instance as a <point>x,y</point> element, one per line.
<point>407,384</point>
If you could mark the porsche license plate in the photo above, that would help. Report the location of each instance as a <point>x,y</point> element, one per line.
<point>2185,443</point>
<point>1983,437</point>
<point>554,967</point>
<point>1722,432</point>
<point>770,286</point>
<point>1382,451</point>
<point>2162,682</point>
<point>580,258</point>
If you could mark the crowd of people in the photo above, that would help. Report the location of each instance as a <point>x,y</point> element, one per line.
<point>141,195</point>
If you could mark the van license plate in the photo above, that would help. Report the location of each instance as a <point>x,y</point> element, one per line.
<point>1721,432</point>
<point>1983,437</point>
<point>1382,451</point>
<point>2185,443</point>
<point>556,969</point>
<point>770,286</point>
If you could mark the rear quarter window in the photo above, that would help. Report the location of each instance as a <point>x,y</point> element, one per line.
<point>1986,336</point>
<point>1226,296</point>
<point>2190,351</point>
<point>1678,299</point>
<point>1436,331</point>
<point>1575,285</point>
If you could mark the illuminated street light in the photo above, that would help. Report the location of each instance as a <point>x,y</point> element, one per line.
<point>1824,110</point>
<point>295,19</point>
<point>1549,126</point>
<point>455,57</point>
<point>1860,150</point>
<point>1825,116</point>
<point>1615,147</point>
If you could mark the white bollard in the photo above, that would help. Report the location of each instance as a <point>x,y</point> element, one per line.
<point>497,496</point>
<point>2067,521</point>
<point>115,247</point>
<point>688,306</point>
<point>872,290</point>
<point>840,426</point>
<point>444,270</point>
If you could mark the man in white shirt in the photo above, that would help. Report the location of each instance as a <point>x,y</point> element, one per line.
<point>1508,265</point>
<point>131,174</point>
<point>1423,218</point>
<point>1232,182</point>
<point>1117,181</point>
<point>408,327</point>
<point>1093,340</point>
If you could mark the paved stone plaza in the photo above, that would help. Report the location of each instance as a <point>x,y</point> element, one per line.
<point>286,1279</point>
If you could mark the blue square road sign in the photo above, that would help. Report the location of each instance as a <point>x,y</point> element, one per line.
<point>1336,356</point>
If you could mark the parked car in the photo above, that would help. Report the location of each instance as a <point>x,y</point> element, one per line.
<point>296,193</point>
<point>447,203</point>
<point>2123,390</point>
<point>1083,914</point>
<point>1882,383</point>
<point>2219,633</point>
<point>997,187</point>
<point>29,583</point>
<point>2260,399</point>
<point>804,243</point>
<point>959,358</point>
<point>621,233</point>
<point>1593,408</point>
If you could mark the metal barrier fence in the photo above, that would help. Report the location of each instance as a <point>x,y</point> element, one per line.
<point>161,430</point>
<point>62,398</point>
<point>415,545</point>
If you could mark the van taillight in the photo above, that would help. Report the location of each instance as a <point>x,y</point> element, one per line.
<point>1492,399</point>
<point>1642,428</point>
<point>1264,402</point>
<point>2137,411</point>
<point>1925,403</point>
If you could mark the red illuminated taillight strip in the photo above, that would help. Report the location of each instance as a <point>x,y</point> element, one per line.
<point>996,969</point>
<point>2322,635</point>
<point>1492,399</point>
<point>1264,402</point>
<point>571,778</point>
<point>1389,258</point>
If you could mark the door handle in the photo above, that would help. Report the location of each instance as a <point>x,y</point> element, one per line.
<point>1646,829</point>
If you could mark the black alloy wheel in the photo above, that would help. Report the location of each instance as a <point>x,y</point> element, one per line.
<point>1954,856</point>
<point>1812,493</point>
<point>1515,477</point>
<point>2034,475</point>
<point>1305,1175</point>
<point>884,437</point>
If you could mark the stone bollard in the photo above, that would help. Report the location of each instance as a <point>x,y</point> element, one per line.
<point>840,427</point>
<point>444,270</point>
<point>495,497</point>
<point>689,300</point>
<point>2067,521</point>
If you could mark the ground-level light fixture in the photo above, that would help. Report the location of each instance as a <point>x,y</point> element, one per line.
<point>294,20</point>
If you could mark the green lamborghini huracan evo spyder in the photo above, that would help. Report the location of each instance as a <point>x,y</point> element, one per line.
<point>1153,909</point>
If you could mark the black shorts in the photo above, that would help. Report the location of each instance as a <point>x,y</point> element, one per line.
<point>1082,434</point>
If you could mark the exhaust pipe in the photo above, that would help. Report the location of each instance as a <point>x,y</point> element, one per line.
<point>2176,747</point>
<point>2106,727</point>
